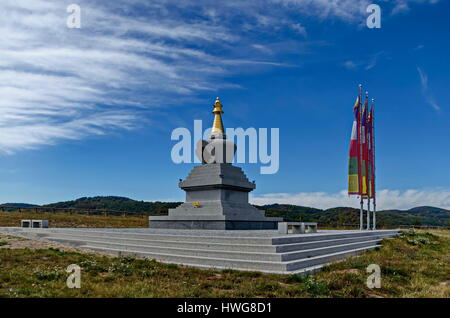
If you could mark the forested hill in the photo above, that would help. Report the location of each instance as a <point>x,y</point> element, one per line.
<point>18,205</point>
<point>117,204</point>
<point>343,215</point>
<point>335,216</point>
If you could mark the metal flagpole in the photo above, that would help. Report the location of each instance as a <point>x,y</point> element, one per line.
<point>374,225</point>
<point>374,214</point>
<point>374,221</point>
<point>366,139</point>
<point>361,212</point>
<point>361,215</point>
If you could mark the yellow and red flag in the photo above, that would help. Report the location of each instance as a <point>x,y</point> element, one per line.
<point>354,162</point>
<point>365,149</point>
<point>371,152</point>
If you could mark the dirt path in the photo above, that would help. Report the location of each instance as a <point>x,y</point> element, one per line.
<point>13,242</point>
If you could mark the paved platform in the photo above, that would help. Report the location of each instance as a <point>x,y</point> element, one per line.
<point>263,250</point>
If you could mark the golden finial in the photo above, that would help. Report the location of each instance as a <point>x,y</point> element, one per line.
<point>217,129</point>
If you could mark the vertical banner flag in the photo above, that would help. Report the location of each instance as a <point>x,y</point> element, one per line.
<point>354,162</point>
<point>371,139</point>
<point>364,148</point>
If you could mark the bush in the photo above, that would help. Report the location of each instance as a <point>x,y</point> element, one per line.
<point>315,287</point>
<point>312,286</point>
<point>48,275</point>
<point>414,238</point>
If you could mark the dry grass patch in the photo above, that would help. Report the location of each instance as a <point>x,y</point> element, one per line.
<point>75,220</point>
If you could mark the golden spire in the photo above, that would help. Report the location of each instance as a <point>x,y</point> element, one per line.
<point>217,128</point>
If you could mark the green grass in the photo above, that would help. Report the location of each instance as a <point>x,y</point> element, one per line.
<point>3,243</point>
<point>74,220</point>
<point>414,265</point>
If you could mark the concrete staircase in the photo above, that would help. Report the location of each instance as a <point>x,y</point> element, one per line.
<point>267,253</point>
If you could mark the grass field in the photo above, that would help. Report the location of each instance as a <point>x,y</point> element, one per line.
<point>414,265</point>
<point>74,220</point>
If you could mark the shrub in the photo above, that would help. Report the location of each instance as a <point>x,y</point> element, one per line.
<point>48,275</point>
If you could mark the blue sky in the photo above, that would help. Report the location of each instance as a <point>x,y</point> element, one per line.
<point>90,111</point>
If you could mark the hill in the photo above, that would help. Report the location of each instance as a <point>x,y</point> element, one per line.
<point>344,215</point>
<point>18,205</point>
<point>118,204</point>
<point>424,215</point>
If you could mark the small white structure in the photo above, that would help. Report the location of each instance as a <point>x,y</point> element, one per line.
<point>25,223</point>
<point>38,224</point>
<point>297,227</point>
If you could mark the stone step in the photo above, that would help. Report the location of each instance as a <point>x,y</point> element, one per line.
<point>325,259</point>
<point>183,236</point>
<point>187,236</point>
<point>314,252</point>
<point>189,260</point>
<point>290,239</point>
<point>324,243</point>
<point>75,240</point>
<point>223,263</point>
<point>235,255</point>
<point>302,266</point>
<point>185,251</point>
<point>159,237</point>
<point>303,271</point>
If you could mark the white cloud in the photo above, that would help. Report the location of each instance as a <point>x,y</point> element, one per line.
<point>401,6</point>
<point>369,63</point>
<point>425,90</point>
<point>349,10</point>
<point>350,65</point>
<point>59,83</point>
<point>299,28</point>
<point>129,56</point>
<point>386,199</point>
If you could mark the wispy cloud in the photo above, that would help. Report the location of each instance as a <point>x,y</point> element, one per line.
<point>386,199</point>
<point>59,83</point>
<point>348,10</point>
<point>350,65</point>
<point>368,63</point>
<point>130,57</point>
<point>300,29</point>
<point>401,6</point>
<point>425,90</point>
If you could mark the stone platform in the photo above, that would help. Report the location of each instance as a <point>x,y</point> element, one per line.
<point>263,250</point>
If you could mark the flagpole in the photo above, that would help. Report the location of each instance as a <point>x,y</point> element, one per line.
<point>361,212</point>
<point>361,215</point>
<point>374,222</point>
<point>366,139</point>
<point>374,226</point>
